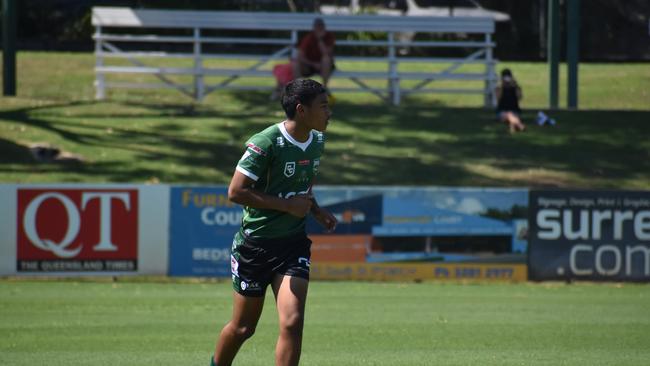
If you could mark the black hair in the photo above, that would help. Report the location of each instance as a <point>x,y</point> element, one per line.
<point>506,72</point>
<point>300,91</point>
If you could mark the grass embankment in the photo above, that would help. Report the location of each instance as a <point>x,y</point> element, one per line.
<point>446,140</point>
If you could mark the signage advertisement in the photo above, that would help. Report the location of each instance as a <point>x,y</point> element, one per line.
<point>77,230</point>
<point>202,225</point>
<point>589,235</point>
<point>333,271</point>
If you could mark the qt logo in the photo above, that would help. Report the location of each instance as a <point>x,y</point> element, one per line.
<point>77,224</point>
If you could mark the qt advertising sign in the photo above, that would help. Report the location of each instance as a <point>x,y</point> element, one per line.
<point>202,225</point>
<point>77,230</point>
<point>590,235</point>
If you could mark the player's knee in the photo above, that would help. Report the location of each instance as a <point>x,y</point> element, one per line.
<point>243,332</point>
<point>292,323</point>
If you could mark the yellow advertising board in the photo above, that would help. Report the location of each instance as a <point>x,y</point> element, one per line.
<point>419,271</point>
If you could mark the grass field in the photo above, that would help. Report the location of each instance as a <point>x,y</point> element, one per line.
<point>162,137</point>
<point>347,323</point>
<point>443,140</point>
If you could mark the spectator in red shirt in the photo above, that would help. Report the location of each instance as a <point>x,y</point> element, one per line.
<point>316,53</point>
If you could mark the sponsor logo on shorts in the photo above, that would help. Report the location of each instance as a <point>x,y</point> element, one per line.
<point>305,261</point>
<point>249,285</point>
<point>234,266</point>
<point>289,169</point>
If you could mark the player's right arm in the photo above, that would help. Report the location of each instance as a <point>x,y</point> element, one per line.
<point>241,191</point>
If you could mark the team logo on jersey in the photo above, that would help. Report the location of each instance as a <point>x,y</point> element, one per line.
<point>258,150</point>
<point>280,141</point>
<point>289,168</point>
<point>319,137</point>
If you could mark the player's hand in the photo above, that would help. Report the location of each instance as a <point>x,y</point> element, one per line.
<point>326,219</point>
<point>299,205</point>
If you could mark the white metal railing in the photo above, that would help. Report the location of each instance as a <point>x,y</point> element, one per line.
<point>106,47</point>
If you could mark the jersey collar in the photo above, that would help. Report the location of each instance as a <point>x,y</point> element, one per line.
<point>302,145</point>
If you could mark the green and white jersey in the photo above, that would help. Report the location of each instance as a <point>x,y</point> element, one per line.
<point>283,167</point>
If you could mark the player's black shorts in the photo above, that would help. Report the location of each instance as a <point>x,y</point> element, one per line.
<point>254,262</point>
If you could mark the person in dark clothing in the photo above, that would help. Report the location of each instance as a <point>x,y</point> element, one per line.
<point>509,94</point>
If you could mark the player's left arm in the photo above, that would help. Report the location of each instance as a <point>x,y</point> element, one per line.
<point>323,216</point>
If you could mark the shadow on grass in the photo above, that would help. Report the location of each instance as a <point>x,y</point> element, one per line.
<point>368,143</point>
<point>466,146</point>
<point>133,153</point>
<point>11,152</point>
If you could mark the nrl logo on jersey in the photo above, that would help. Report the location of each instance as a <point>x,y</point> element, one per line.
<point>280,141</point>
<point>319,137</point>
<point>289,169</point>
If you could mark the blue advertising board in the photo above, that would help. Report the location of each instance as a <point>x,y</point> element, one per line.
<point>356,216</point>
<point>406,218</point>
<point>589,235</point>
<point>202,224</point>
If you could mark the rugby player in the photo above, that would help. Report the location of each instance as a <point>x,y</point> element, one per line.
<point>273,181</point>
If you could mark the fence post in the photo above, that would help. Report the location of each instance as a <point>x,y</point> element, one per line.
<point>393,78</point>
<point>294,46</point>
<point>553,51</point>
<point>9,47</point>
<point>100,78</point>
<point>489,99</point>
<point>573,51</point>
<point>199,87</point>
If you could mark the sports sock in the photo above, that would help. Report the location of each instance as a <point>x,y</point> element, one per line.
<point>212,361</point>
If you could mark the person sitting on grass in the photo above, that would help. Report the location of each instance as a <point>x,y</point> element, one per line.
<point>509,94</point>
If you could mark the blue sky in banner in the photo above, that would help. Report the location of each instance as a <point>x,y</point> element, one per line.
<point>471,201</point>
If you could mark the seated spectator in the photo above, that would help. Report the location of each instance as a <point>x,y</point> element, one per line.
<point>509,94</point>
<point>316,53</point>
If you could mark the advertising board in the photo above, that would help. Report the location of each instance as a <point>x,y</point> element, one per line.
<point>202,224</point>
<point>62,230</point>
<point>419,272</point>
<point>83,229</point>
<point>589,235</point>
